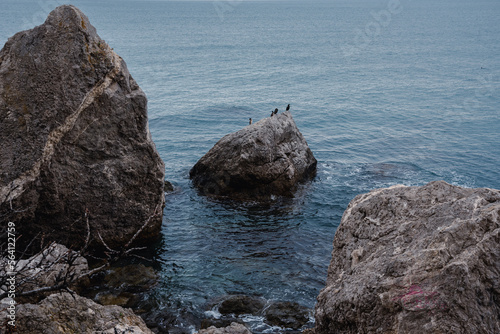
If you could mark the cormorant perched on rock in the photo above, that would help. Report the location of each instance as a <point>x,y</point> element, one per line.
<point>287,107</point>
<point>272,113</point>
<point>276,111</point>
<point>250,121</point>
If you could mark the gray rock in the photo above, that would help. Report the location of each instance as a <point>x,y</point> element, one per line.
<point>234,328</point>
<point>65,313</point>
<point>415,260</point>
<point>267,158</point>
<point>241,304</point>
<point>75,137</point>
<point>287,315</point>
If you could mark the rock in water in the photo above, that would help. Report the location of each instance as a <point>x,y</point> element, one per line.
<point>415,260</point>
<point>75,137</point>
<point>267,158</point>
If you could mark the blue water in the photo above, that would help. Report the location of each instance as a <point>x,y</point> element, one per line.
<point>383,95</point>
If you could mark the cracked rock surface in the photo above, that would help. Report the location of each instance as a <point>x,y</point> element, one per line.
<point>415,260</point>
<point>75,137</point>
<point>269,157</point>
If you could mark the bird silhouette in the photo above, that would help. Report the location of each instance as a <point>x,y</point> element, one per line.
<point>287,107</point>
<point>276,111</point>
<point>250,121</point>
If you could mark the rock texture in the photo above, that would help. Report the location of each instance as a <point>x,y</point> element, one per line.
<point>65,313</point>
<point>287,315</point>
<point>415,260</point>
<point>267,158</point>
<point>234,328</point>
<point>75,137</point>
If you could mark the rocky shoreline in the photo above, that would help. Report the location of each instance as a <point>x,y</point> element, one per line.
<point>81,180</point>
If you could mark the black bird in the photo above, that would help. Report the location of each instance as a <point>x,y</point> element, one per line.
<point>287,107</point>
<point>250,121</point>
<point>276,111</point>
<point>272,113</point>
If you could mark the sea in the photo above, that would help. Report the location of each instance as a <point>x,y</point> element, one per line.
<point>385,92</point>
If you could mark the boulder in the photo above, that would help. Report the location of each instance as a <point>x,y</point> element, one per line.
<point>265,159</point>
<point>75,138</point>
<point>65,313</point>
<point>415,260</point>
<point>234,328</point>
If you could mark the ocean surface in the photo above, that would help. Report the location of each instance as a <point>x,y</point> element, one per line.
<point>385,92</point>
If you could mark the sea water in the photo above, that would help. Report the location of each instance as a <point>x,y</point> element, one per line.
<point>385,92</point>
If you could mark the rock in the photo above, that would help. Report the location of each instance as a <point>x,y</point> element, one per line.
<point>48,268</point>
<point>265,159</point>
<point>287,315</point>
<point>134,278</point>
<point>241,304</point>
<point>65,313</point>
<point>219,323</point>
<point>234,328</point>
<point>415,260</point>
<point>169,187</point>
<point>75,138</point>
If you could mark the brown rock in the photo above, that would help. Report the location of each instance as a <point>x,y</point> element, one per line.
<point>75,138</point>
<point>415,260</point>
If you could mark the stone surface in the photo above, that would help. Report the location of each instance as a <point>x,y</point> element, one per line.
<point>415,260</point>
<point>241,304</point>
<point>48,268</point>
<point>75,137</point>
<point>287,315</point>
<point>234,328</point>
<point>265,159</point>
<point>65,313</point>
<point>134,277</point>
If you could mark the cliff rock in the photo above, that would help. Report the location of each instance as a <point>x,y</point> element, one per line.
<point>267,158</point>
<point>415,260</point>
<point>75,138</point>
<point>64,313</point>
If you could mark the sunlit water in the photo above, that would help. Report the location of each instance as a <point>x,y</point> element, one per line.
<point>383,95</point>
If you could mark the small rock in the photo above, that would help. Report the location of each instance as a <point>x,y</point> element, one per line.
<point>234,328</point>
<point>287,315</point>
<point>241,304</point>
<point>133,278</point>
<point>169,187</point>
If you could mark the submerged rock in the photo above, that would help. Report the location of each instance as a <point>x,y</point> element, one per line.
<point>265,159</point>
<point>75,138</point>
<point>415,260</point>
<point>65,313</point>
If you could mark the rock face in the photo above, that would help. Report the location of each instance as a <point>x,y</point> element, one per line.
<point>75,137</point>
<point>415,260</point>
<point>287,315</point>
<point>65,313</point>
<point>267,158</point>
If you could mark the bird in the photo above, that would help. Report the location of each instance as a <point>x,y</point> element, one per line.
<point>272,113</point>
<point>250,121</point>
<point>287,107</point>
<point>276,111</point>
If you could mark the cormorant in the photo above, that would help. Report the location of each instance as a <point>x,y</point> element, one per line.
<point>250,121</point>
<point>272,113</point>
<point>276,111</point>
<point>287,107</point>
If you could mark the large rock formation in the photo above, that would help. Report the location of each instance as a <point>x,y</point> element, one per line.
<point>267,158</point>
<point>415,260</point>
<point>64,313</point>
<point>75,137</point>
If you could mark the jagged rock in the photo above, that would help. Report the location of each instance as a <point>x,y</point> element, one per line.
<point>65,313</point>
<point>75,138</point>
<point>241,304</point>
<point>48,268</point>
<point>287,315</point>
<point>134,277</point>
<point>415,260</point>
<point>234,328</point>
<point>267,158</point>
